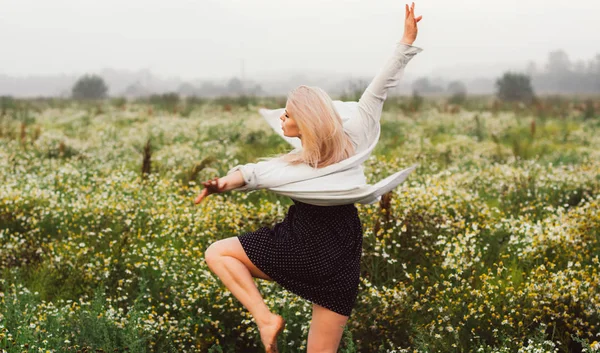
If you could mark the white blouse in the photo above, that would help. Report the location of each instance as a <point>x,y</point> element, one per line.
<point>343,182</point>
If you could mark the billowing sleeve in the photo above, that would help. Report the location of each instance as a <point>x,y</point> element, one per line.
<point>260,175</point>
<point>363,128</point>
<point>276,172</point>
<point>273,173</point>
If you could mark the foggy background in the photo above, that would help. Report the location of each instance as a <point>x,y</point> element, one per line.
<point>267,47</point>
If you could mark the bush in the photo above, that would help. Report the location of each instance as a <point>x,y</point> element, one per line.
<point>6,103</point>
<point>119,102</point>
<point>89,87</point>
<point>458,92</point>
<point>166,101</point>
<point>515,87</point>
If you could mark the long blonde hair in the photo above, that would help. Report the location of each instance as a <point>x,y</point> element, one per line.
<point>324,141</point>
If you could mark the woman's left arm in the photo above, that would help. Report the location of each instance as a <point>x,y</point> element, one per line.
<point>272,173</point>
<point>254,176</point>
<point>231,181</point>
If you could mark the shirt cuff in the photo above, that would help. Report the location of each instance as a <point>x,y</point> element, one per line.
<point>408,48</point>
<point>247,175</point>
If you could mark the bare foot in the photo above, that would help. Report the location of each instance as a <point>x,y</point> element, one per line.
<point>269,331</point>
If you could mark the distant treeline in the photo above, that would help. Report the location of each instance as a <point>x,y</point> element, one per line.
<point>559,75</point>
<point>233,87</point>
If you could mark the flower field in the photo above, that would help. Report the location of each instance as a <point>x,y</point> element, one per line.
<point>491,245</point>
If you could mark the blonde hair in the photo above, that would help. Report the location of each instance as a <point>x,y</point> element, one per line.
<point>324,141</point>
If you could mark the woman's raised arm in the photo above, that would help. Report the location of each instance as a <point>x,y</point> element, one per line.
<point>371,102</point>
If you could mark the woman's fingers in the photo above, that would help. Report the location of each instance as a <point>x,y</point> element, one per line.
<point>200,197</point>
<point>213,185</point>
<point>410,11</point>
<point>210,182</point>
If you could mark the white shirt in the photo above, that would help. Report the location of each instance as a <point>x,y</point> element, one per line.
<point>343,182</point>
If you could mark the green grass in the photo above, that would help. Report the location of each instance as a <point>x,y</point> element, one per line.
<point>493,241</point>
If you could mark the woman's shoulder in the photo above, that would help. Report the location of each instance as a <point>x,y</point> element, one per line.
<point>346,110</point>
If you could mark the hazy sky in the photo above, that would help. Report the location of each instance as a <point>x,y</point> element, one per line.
<point>210,38</point>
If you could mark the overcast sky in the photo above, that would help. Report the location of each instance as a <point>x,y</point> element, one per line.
<point>206,39</point>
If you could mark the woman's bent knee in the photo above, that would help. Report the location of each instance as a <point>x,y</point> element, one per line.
<point>212,254</point>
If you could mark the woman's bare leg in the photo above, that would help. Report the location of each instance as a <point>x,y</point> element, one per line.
<point>227,259</point>
<point>326,330</point>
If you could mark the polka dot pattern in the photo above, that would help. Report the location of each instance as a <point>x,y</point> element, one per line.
<point>314,252</point>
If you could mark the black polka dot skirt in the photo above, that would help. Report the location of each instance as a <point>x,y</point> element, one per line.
<point>314,252</point>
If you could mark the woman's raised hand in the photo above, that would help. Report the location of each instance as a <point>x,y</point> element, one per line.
<point>410,25</point>
<point>212,186</point>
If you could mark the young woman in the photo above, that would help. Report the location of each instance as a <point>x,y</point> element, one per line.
<point>315,251</point>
